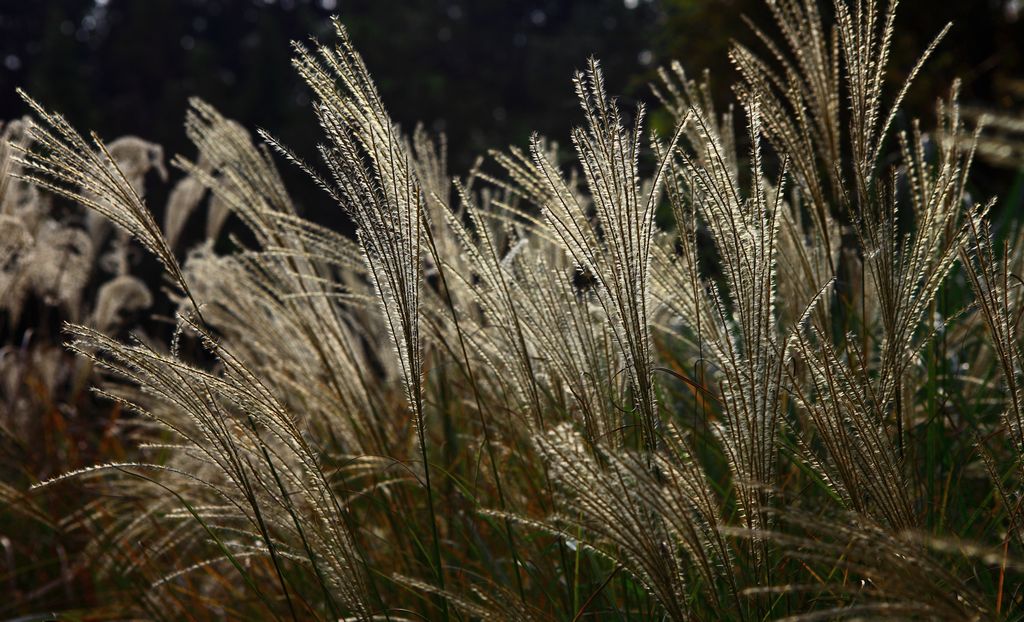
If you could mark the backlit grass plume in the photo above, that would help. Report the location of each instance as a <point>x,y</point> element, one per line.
<point>761,361</point>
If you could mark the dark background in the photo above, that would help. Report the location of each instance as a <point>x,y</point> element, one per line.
<point>487,72</point>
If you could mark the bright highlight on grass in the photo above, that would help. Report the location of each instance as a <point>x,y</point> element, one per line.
<point>515,396</point>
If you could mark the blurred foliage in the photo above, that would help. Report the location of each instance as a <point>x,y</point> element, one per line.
<point>486,72</point>
<point>983,49</point>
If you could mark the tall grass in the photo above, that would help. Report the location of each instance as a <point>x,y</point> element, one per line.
<point>515,396</point>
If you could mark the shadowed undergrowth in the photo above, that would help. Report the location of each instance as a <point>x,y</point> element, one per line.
<point>514,395</point>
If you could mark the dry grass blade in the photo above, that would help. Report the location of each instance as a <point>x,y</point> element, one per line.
<point>618,255</point>
<point>62,162</point>
<point>823,442</point>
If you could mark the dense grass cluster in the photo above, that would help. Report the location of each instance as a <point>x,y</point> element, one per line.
<point>766,364</point>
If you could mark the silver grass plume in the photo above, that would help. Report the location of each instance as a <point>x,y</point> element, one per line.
<point>999,303</point>
<point>738,330</point>
<point>289,290</point>
<point>498,294</point>
<point>897,276</point>
<point>242,470</point>
<point>855,391</point>
<point>801,101</point>
<point>655,515</point>
<point>372,176</point>
<point>122,294</point>
<point>619,255</point>
<point>61,161</point>
<point>998,298</point>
